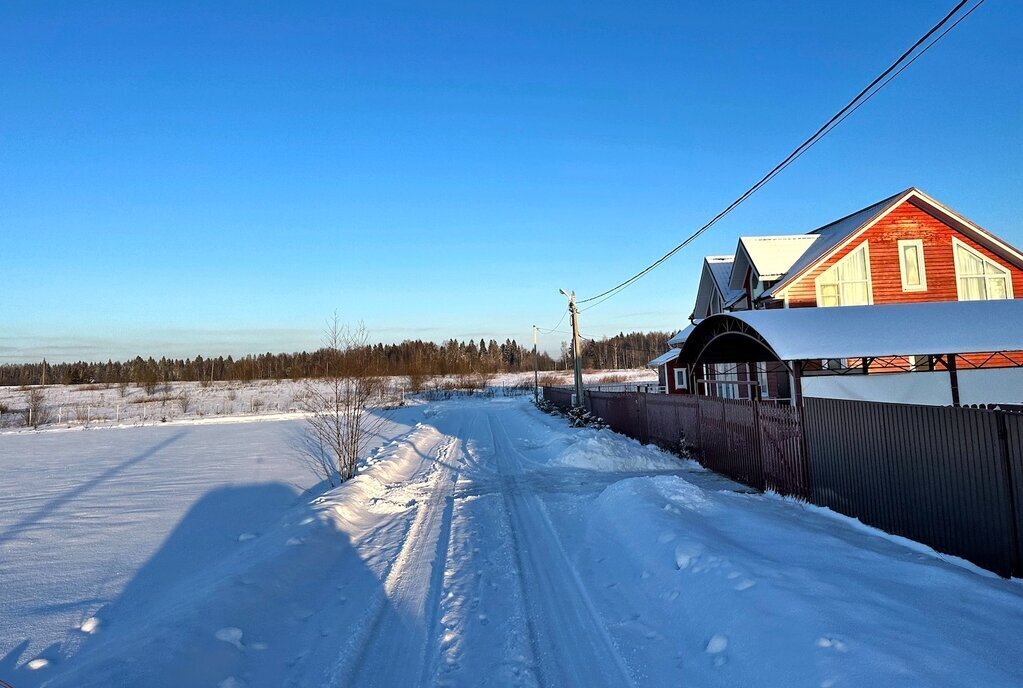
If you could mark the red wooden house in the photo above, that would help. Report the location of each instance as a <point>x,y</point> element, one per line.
<point>907,248</point>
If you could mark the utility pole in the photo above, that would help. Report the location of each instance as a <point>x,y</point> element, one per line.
<point>576,351</point>
<point>536,371</point>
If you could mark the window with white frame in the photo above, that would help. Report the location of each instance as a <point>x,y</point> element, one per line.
<point>847,282</point>
<point>681,378</point>
<point>911,265</point>
<point>979,278</point>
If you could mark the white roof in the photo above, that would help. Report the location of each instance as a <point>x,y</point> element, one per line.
<point>771,256</point>
<point>681,336</point>
<point>669,355</point>
<point>951,327</point>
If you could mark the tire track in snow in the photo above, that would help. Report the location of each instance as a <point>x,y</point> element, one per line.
<point>395,650</point>
<point>571,644</point>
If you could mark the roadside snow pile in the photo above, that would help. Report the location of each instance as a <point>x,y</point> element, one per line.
<point>358,504</point>
<point>603,450</point>
<point>740,589</point>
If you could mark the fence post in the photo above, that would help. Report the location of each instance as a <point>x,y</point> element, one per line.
<point>804,451</point>
<point>699,420</point>
<point>643,427</point>
<point>724,427</point>
<point>1010,493</point>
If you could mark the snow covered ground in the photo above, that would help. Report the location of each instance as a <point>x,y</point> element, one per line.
<point>78,406</point>
<point>484,543</point>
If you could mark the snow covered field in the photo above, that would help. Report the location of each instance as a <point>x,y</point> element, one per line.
<point>484,543</point>
<point>77,406</point>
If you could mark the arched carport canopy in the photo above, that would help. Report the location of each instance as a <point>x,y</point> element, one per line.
<point>799,334</point>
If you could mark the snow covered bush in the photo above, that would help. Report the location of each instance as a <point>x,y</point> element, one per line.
<point>577,417</point>
<point>581,418</point>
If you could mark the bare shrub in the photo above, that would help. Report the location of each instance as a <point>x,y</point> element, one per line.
<point>257,404</point>
<point>36,412</point>
<point>612,378</point>
<point>339,424</point>
<point>552,379</point>
<point>82,412</point>
<point>184,401</point>
<point>122,389</point>
<point>232,394</point>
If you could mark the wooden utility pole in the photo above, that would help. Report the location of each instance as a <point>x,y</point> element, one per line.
<point>576,350</point>
<point>536,371</point>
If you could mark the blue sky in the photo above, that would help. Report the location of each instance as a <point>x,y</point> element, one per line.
<point>178,178</point>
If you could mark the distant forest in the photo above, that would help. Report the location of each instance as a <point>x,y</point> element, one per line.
<point>452,357</point>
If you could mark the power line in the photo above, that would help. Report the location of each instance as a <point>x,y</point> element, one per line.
<point>823,131</point>
<point>555,328</point>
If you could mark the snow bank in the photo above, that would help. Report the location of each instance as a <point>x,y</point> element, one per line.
<point>727,588</point>
<point>603,450</point>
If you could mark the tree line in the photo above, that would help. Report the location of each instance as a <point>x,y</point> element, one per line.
<point>411,357</point>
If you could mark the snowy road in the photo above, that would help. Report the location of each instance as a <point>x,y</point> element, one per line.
<point>484,543</point>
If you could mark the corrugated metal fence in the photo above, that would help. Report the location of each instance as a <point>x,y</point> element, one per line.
<point>559,396</point>
<point>949,477</point>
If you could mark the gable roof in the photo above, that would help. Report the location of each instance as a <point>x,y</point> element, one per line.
<point>720,268</point>
<point>831,235</point>
<point>770,256</point>
<point>715,273</point>
<point>837,234</point>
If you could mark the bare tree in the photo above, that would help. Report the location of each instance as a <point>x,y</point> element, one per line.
<point>340,423</point>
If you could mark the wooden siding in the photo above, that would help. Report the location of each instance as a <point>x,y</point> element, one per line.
<point>906,221</point>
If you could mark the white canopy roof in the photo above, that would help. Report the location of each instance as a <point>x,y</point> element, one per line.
<point>669,355</point>
<point>953,327</point>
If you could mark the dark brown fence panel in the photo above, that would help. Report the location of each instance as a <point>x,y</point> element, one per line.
<point>744,442</point>
<point>670,419</point>
<point>935,474</point>
<point>559,396</point>
<point>781,450</point>
<point>619,409</point>
<point>728,439</point>
<point>1014,453</point>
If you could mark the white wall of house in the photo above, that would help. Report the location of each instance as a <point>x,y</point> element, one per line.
<point>986,386</point>
<point>991,386</point>
<point>904,388</point>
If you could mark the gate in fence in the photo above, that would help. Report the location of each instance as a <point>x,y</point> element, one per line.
<point>950,477</point>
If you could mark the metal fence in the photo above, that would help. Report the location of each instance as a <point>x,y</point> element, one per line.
<point>949,477</point>
<point>559,396</point>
